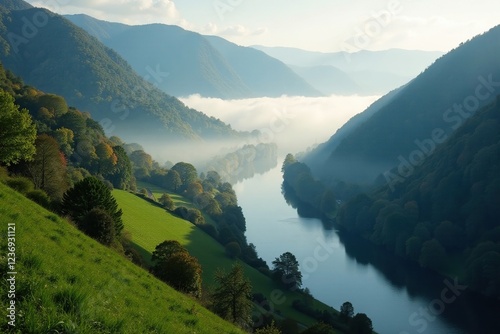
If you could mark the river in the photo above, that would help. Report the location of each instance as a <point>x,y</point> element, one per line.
<point>398,297</point>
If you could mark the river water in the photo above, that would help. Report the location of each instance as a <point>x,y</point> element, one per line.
<point>398,297</point>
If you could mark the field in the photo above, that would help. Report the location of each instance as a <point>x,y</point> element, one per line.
<point>150,225</point>
<point>69,283</point>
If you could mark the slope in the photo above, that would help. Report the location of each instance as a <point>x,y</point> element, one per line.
<point>327,79</point>
<point>426,110</point>
<point>445,214</point>
<point>149,225</point>
<point>192,64</point>
<point>264,75</point>
<point>67,282</point>
<point>196,64</point>
<point>58,57</point>
<point>375,72</point>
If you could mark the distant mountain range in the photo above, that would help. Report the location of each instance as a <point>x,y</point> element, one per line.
<point>206,65</point>
<point>410,122</point>
<point>53,54</point>
<point>363,72</point>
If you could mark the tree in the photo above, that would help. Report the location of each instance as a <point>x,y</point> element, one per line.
<point>173,180</point>
<point>187,173</point>
<point>194,189</point>
<point>88,194</point>
<point>175,266</point>
<point>346,311</point>
<point>141,159</point>
<point>17,132</point>
<point>48,167</point>
<point>233,249</point>
<point>106,158</point>
<point>65,139</point>
<point>432,255</point>
<point>286,270</point>
<point>98,224</point>
<point>232,296</point>
<point>121,174</point>
<point>269,329</point>
<point>167,202</point>
<point>361,324</point>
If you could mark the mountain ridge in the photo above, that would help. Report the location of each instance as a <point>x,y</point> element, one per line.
<point>197,64</point>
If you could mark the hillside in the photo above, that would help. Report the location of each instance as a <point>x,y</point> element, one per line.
<point>92,289</point>
<point>149,225</point>
<point>445,214</point>
<point>195,64</point>
<point>439,99</point>
<point>374,72</point>
<point>266,76</point>
<point>328,79</point>
<point>63,59</point>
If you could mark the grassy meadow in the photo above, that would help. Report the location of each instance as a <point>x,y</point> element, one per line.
<point>68,283</point>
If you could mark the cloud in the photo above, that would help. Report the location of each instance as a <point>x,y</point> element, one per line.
<point>232,31</point>
<point>125,11</point>
<point>294,123</point>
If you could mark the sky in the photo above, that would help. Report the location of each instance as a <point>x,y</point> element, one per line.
<point>315,25</point>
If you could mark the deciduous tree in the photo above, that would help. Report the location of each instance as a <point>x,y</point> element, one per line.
<point>17,132</point>
<point>286,270</point>
<point>232,296</point>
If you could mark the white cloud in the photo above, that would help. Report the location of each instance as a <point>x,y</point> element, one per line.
<point>294,123</point>
<point>125,11</point>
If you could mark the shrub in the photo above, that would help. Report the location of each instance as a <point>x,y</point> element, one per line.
<point>40,197</point>
<point>98,224</point>
<point>20,184</point>
<point>233,249</point>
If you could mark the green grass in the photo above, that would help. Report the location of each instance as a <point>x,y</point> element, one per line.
<point>150,225</point>
<point>69,283</point>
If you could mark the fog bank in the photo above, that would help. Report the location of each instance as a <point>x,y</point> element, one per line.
<point>294,123</point>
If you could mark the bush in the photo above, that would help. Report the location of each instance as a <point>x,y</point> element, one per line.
<point>98,224</point>
<point>233,250</point>
<point>210,230</point>
<point>20,184</point>
<point>40,197</point>
<point>86,195</point>
<point>167,202</point>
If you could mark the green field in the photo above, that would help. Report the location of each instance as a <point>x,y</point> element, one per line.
<point>68,283</point>
<point>150,225</point>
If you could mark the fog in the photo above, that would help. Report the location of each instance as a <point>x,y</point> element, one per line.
<point>293,123</point>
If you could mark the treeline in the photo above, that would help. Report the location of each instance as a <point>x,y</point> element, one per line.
<point>62,145</point>
<point>306,194</point>
<point>245,162</point>
<point>210,195</point>
<point>448,209</point>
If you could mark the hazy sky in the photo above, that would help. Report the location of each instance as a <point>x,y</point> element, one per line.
<point>318,25</point>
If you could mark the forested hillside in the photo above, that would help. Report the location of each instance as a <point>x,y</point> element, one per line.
<point>196,64</point>
<point>439,99</point>
<point>446,212</point>
<point>94,78</point>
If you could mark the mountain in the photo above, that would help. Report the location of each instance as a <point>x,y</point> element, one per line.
<point>375,72</point>
<point>196,64</point>
<point>266,76</point>
<point>408,125</point>
<point>191,65</point>
<point>328,79</point>
<point>15,5</point>
<point>51,53</point>
<point>446,212</point>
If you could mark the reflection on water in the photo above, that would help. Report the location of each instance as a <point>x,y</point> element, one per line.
<point>400,298</point>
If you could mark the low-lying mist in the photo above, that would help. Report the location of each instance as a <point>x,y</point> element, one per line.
<point>293,123</point>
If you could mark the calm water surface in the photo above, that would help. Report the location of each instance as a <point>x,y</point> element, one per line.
<point>399,298</point>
